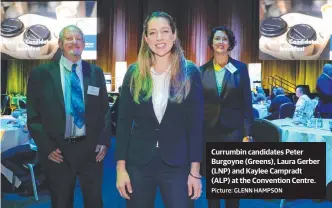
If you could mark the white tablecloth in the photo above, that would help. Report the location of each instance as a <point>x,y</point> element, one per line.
<point>293,133</point>
<point>11,137</point>
<point>262,110</point>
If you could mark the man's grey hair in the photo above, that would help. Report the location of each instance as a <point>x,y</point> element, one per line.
<point>61,34</point>
<point>279,91</point>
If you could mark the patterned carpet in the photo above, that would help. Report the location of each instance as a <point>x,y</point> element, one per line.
<point>113,200</point>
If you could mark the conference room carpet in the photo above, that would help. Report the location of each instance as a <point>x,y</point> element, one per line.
<point>113,200</point>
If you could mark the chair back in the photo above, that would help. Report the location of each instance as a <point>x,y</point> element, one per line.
<point>36,160</point>
<point>265,131</point>
<point>286,110</point>
<point>4,103</point>
<point>31,167</point>
<point>22,104</point>
<point>256,113</point>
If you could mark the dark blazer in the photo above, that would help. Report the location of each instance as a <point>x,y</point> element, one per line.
<point>324,89</point>
<point>179,134</point>
<point>275,105</point>
<point>46,109</point>
<point>233,108</point>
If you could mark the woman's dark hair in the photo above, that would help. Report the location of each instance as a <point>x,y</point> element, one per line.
<point>229,33</point>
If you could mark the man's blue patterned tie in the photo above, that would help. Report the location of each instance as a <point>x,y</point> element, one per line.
<point>77,102</point>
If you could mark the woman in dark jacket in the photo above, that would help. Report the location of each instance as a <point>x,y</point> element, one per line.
<point>228,112</point>
<point>159,131</point>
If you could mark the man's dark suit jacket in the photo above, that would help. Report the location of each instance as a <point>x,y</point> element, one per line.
<point>233,108</point>
<point>46,110</point>
<point>179,134</point>
<point>324,89</point>
<point>275,105</point>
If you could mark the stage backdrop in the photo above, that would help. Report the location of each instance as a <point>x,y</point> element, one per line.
<point>120,28</point>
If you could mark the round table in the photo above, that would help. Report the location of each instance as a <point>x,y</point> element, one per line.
<point>294,133</point>
<point>10,137</point>
<point>262,110</point>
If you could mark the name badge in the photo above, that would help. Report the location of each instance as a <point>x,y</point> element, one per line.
<point>93,90</point>
<point>231,68</point>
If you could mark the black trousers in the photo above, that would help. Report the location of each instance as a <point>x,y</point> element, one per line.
<point>15,157</point>
<point>229,203</point>
<point>171,180</point>
<point>62,178</point>
<point>221,134</point>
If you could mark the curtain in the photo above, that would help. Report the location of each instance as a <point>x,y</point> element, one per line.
<point>120,25</point>
<point>17,73</point>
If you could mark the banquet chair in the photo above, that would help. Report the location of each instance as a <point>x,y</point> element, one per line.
<point>22,104</point>
<point>255,112</point>
<point>31,166</point>
<point>4,104</point>
<point>329,191</point>
<point>265,131</point>
<point>286,110</point>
